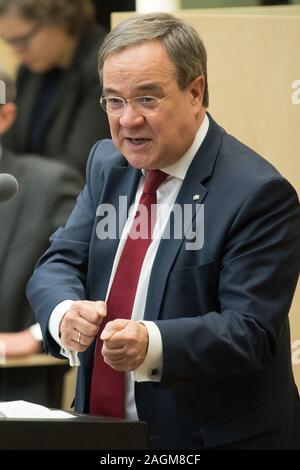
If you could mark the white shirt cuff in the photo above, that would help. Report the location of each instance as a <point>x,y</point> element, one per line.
<point>53,326</point>
<point>151,369</point>
<point>36,332</point>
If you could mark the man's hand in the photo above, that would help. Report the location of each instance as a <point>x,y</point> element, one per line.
<point>125,344</point>
<point>80,324</point>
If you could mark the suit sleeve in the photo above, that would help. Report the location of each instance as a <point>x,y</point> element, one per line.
<point>60,273</point>
<point>257,278</point>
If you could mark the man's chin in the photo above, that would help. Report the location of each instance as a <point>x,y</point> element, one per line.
<point>135,162</point>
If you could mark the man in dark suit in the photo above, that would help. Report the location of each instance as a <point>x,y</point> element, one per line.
<point>204,347</point>
<point>46,196</point>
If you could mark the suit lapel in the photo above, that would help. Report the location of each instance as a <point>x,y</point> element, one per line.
<point>168,249</point>
<point>199,171</point>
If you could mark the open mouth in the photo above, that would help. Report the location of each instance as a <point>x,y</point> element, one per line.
<point>138,141</point>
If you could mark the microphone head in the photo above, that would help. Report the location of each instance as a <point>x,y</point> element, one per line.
<point>8,186</point>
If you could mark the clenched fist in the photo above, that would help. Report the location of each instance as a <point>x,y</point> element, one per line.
<point>80,324</point>
<point>125,344</point>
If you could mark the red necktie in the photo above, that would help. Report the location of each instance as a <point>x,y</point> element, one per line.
<point>107,394</point>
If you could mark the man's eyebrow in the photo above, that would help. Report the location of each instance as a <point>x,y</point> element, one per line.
<point>110,90</point>
<point>151,87</point>
<point>147,87</point>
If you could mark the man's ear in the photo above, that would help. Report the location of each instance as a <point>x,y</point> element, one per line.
<point>8,113</point>
<point>197,87</point>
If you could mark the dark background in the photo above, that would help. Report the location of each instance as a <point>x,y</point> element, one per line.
<point>103,9</point>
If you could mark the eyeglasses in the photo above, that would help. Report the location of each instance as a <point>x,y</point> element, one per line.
<point>23,40</point>
<point>115,105</point>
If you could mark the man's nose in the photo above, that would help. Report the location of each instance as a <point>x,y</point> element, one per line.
<point>131,117</point>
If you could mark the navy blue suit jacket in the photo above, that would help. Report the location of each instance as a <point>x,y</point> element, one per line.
<point>222,310</point>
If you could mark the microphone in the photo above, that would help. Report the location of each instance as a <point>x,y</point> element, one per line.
<point>8,186</point>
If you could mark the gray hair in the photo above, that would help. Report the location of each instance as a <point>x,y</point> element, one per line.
<point>76,14</point>
<point>181,41</point>
<point>7,88</point>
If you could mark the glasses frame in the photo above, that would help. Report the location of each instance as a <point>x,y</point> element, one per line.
<point>133,103</point>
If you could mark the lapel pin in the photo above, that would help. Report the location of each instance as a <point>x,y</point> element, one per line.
<point>196,197</point>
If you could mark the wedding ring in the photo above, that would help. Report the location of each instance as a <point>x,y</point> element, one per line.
<point>79,337</point>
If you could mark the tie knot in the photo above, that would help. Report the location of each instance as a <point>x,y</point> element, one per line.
<point>153,180</point>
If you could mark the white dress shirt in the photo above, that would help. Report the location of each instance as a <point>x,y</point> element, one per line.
<point>151,369</point>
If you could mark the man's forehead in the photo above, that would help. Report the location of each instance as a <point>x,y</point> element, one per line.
<point>146,53</point>
<point>152,45</point>
<point>145,66</point>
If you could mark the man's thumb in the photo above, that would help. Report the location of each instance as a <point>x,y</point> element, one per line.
<point>101,308</point>
<point>112,327</point>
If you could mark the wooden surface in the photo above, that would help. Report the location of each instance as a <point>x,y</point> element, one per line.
<point>252,62</point>
<point>33,360</point>
<point>38,360</point>
<point>281,10</point>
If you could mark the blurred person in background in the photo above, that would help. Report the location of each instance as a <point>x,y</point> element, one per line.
<point>47,192</point>
<point>57,85</point>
